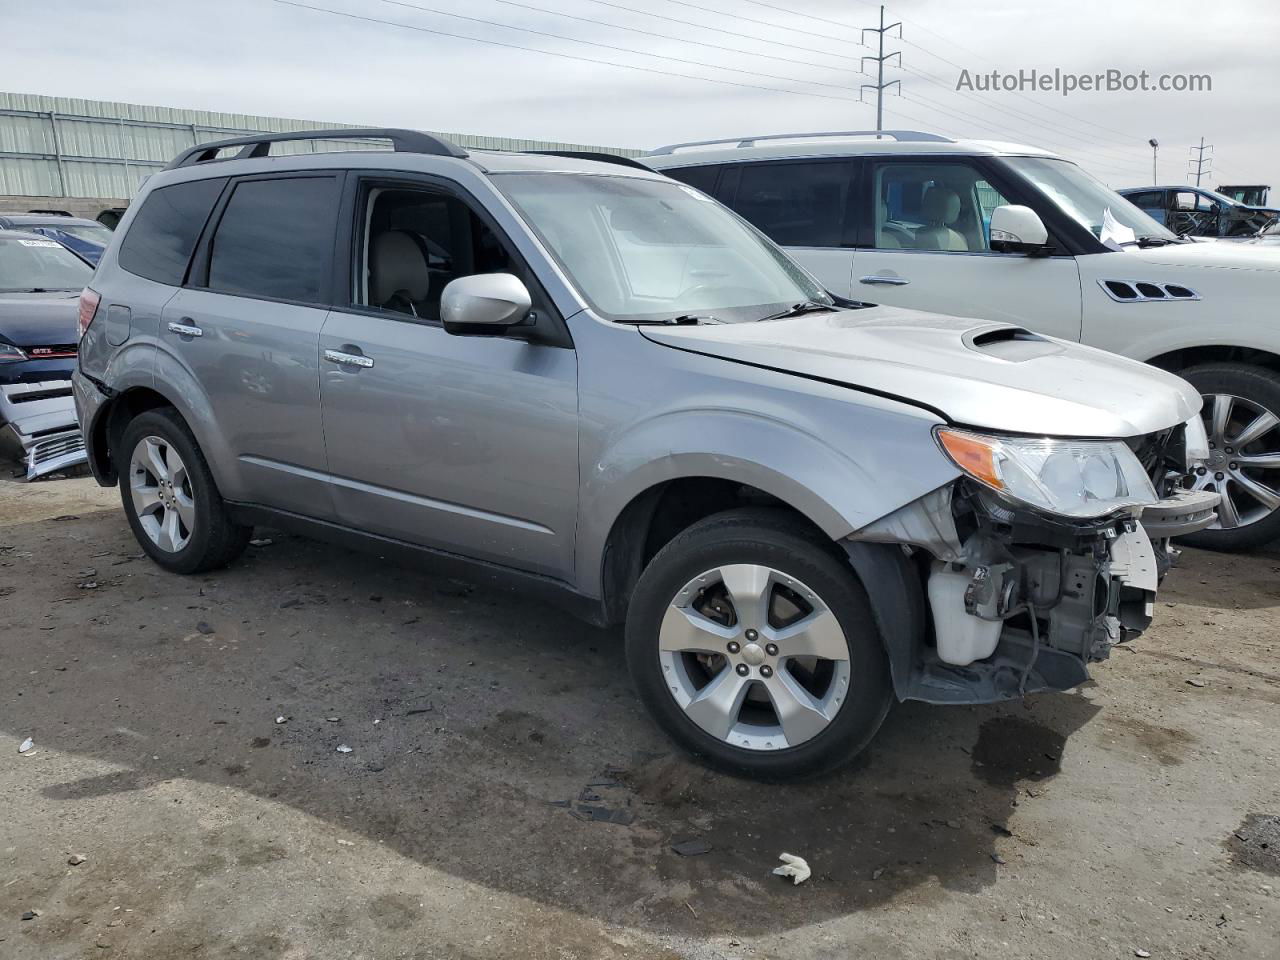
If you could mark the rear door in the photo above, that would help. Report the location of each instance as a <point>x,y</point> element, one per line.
<point>247,327</point>
<point>928,248</point>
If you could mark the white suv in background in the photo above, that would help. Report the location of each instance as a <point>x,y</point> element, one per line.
<point>1014,233</point>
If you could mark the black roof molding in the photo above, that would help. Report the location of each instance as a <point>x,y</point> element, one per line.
<point>259,145</point>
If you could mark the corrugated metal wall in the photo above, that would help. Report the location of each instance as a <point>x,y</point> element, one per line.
<point>65,147</point>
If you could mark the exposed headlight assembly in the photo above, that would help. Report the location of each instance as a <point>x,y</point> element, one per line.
<point>1073,478</point>
<point>11,354</point>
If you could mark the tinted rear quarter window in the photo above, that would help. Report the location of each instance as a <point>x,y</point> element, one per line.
<point>275,239</point>
<point>160,240</point>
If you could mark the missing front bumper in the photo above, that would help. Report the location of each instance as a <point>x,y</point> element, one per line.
<point>38,427</point>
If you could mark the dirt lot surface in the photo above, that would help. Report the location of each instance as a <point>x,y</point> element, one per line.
<point>1133,818</point>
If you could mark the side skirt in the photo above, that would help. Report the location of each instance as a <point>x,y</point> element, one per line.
<point>548,589</point>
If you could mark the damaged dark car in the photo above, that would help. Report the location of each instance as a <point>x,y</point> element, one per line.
<point>40,284</point>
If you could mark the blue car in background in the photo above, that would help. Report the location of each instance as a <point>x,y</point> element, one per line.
<point>87,238</point>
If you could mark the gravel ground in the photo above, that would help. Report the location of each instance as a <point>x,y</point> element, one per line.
<point>1134,817</point>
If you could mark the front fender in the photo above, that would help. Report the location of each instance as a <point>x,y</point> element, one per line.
<point>869,461</point>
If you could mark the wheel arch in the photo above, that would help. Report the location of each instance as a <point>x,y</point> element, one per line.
<point>1184,358</point>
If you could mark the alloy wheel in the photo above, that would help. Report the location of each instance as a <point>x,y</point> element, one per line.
<point>754,657</point>
<point>162,496</point>
<point>1244,459</point>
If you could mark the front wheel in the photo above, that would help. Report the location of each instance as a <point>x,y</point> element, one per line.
<point>1241,413</point>
<point>753,645</point>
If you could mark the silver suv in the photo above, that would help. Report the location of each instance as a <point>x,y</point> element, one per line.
<point>582,377</point>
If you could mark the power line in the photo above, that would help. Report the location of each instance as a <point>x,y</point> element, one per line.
<point>1199,161</point>
<point>666,36</point>
<point>557,54</point>
<point>610,46</point>
<point>880,58</point>
<point>738,16</point>
<point>701,26</point>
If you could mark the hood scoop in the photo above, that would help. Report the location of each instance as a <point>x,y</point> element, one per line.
<point>1014,344</point>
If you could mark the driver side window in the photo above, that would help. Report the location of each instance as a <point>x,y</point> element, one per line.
<point>414,243</point>
<point>937,206</point>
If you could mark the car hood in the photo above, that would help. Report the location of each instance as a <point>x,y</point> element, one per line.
<point>1223,254</point>
<point>989,375</point>
<point>39,319</point>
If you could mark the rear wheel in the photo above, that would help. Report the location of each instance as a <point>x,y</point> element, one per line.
<point>753,645</point>
<point>170,498</point>
<point>1241,414</point>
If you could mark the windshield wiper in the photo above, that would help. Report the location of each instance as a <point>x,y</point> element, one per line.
<point>796,309</point>
<point>684,320</point>
<point>1157,241</point>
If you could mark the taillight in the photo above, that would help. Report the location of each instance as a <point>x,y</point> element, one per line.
<point>89,301</point>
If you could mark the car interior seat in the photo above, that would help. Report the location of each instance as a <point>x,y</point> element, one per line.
<point>399,278</point>
<point>940,208</point>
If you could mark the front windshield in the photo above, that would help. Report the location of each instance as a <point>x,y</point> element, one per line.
<point>651,250</point>
<point>1085,199</point>
<point>33,265</point>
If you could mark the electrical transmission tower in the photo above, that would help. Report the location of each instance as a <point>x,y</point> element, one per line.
<point>879,86</point>
<point>1199,160</point>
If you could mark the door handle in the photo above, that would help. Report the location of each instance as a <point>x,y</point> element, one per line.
<point>348,359</point>
<point>185,329</point>
<point>886,281</point>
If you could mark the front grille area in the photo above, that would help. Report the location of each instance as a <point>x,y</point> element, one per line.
<point>50,351</point>
<point>31,396</point>
<point>45,450</point>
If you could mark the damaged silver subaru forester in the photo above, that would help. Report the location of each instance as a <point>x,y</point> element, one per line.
<point>581,377</point>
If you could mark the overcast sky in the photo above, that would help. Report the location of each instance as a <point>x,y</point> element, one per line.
<point>261,56</point>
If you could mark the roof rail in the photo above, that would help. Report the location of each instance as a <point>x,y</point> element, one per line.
<point>597,155</point>
<point>904,136</point>
<point>259,145</point>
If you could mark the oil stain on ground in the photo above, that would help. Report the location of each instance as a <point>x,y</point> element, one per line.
<point>1010,749</point>
<point>1256,843</point>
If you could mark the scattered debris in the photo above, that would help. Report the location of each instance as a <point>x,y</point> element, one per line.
<point>592,813</point>
<point>877,873</point>
<point>65,516</point>
<point>1001,830</point>
<point>1195,681</point>
<point>345,843</point>
<point>282,719</point>
<point>88,585</point>
<point>793,867</point>
<point>31,915</point>
<point>996,858</point>
<point>691,910</point>
<point>343,748</point>
<point>76,859</point>
<point>417,710</point>
<point>953,824</point>
<point>1139,952</point>
<point>261,542</point>
<point>332,719</point>
<point>26,745</point>
<point>204,628</point>
<point>691,847</point>
<point>1256,843</point>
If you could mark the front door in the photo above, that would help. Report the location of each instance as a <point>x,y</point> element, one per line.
<point>930,250</point>
<point>466,444</point>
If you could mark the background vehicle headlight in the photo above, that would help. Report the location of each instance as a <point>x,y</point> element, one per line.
<point>10,354</point>
<point>1075,478</point>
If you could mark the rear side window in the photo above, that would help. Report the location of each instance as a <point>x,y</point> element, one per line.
<point>162,236</point>
<point>703,178</point>
<point>796,204</point>
<point>275,239</point>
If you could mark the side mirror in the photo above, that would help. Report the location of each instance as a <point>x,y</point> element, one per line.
<point>1018,229</point>
<point>484,304</point>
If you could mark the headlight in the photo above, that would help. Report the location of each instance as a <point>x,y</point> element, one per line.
<point>10,354</point>
<point>1196,442</point>
<point>1075,478</point>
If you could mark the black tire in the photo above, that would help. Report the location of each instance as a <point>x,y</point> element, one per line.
<point>769,538</point>
<point>216,539</point>
<point>1262,387</point>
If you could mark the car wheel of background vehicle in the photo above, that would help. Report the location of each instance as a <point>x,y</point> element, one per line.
<point>170,498</point>
<point>1242,418</point>
<point>753,645</point>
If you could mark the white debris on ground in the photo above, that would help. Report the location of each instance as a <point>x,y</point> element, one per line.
<point>793,867</point>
